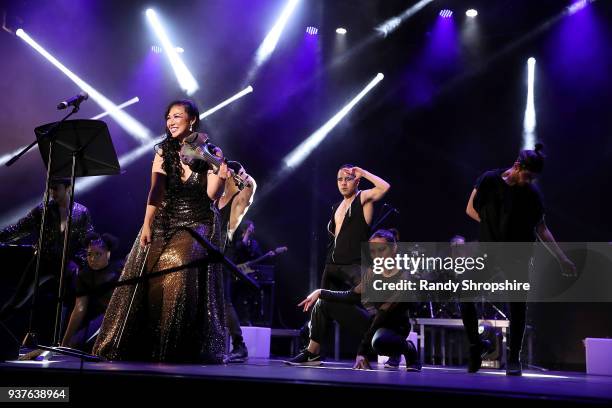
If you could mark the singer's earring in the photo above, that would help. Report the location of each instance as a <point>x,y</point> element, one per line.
<point>191,127</point>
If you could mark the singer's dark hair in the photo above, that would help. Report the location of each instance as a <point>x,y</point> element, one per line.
<point>532,160</point>
<point>108,241</point>
<point>170,146</point>
<point>390,235</point>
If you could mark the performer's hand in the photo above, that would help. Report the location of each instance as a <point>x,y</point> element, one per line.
<point>145,236</point>
<point>568,269</point>
<point>310,300</point>
<point>361,363</point>
<point>224,172</point>
<point>356,172</point>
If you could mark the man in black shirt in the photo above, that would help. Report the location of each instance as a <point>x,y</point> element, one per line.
<point>509,208</point>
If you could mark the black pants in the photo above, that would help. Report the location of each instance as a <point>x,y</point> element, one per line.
<point>518,311</point>
<point>387,341</point>
<point>340,277</point>
<point>231,317</point>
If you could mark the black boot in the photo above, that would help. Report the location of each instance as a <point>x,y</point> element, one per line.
<point>477,353</point>
<point>514,368</point>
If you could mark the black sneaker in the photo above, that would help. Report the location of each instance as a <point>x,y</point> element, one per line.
<point>393,362</point>
<point>514,368</point>
<point>305,358</point>
<point>239,354</point>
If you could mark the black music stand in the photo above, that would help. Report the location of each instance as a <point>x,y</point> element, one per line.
<point>75,148</point>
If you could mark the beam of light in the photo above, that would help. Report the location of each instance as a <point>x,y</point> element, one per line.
<point>185,79</point>
<point>123,105</point>
<point>297,156</point>
<point>529,123</point>
<point>226,102</point>
<point>269,43</point>
<point>393,23</point>
<point>6,157</point>
<point>85,184</point>
<point>128,123</point>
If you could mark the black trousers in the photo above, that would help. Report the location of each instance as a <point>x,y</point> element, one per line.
<point>518,312</point>
<point>340,277</point>
<point>231,317</point>
<point>387,341</point>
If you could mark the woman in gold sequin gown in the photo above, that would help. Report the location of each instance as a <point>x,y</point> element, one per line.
<point>177,317</point>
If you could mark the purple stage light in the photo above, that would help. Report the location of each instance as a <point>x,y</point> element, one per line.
<point>576,6</point>
<point>156,49</point>
<point>446,13</point>
<point>312,30</point>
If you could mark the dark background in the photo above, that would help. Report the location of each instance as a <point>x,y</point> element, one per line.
<point>449,108</point>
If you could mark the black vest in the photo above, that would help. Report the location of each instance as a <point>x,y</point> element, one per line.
<point>345,249</point>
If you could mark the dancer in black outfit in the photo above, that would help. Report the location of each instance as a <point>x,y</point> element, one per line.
<point>349,227</point>
<point>383,333</point>
<point>509,208</point>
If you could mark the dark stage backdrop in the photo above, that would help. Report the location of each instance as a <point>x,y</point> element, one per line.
<point>450,107</point>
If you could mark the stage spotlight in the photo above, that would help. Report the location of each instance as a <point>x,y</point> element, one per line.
<point>471,13</point>
<point>341,31</point>
<point>128,123</point>
<point>269,43</point>
<point>297,156</point>
<point>179,50</point>
<point>312,30</point>
<point>156,49</point>
<point>577,6</point>
<point>529,122</point>
<point>446,13</point>
<point>393,23</point>
<point>184,77</point>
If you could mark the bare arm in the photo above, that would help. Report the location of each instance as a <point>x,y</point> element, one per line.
<point>373,194</point>
<point>569,269</point>
<point>241,205</point>
<point>156,196</point>
<point>216,182</point>
<point>76,319</point>
<point>470,210</point>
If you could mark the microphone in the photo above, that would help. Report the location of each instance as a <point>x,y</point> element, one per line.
<point>74,101</point>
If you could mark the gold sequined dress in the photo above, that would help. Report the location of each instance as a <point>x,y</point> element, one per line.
<point>178,317</point>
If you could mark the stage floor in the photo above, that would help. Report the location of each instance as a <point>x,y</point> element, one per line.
<point>440,382</point>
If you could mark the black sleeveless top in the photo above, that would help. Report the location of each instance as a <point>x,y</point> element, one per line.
<point>345,249</point>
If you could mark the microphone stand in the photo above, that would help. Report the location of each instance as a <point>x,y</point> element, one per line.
<point>385,215</point>
<point>30,339</point>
